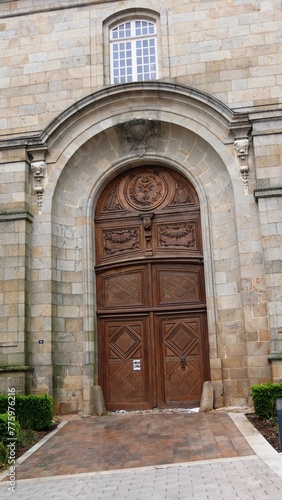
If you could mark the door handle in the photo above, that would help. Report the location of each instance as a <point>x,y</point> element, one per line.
<point>182,362</point>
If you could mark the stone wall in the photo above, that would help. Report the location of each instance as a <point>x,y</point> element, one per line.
<point>218,105</point>
<point>52,56</point>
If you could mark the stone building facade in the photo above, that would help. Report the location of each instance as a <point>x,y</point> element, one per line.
<point>203,106</point>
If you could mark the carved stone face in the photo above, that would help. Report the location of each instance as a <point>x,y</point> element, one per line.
<point>38,173</point>
<point>38,170</point>
<point>241,147</point>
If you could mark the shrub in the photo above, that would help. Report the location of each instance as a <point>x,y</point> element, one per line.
<point>32,412</point>
<point>26,438</point>
<point>9,428</point>
<point>3,455</point>
<point>264,398</point>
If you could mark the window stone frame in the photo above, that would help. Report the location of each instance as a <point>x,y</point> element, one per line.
<point>130,15</point>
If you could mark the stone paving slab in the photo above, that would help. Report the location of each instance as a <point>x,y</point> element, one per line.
<point>247,478</point>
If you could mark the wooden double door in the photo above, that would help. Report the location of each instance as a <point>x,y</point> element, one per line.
<point>152,332</point>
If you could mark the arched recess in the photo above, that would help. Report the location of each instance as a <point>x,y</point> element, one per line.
<point>87,146</point>
<point>75,197</point>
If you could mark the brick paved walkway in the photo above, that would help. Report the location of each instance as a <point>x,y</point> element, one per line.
<point>130,440</point>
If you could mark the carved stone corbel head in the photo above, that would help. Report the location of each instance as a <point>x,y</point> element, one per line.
<point>38,168</point>
<point>241,147</point>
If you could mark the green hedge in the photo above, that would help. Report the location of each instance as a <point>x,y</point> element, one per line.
<point>264,398</point>
<point>32,412</point>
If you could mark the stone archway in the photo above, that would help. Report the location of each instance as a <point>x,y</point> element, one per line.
<point>89,145</point>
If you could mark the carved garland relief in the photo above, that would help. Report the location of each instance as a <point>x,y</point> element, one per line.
<point>121,240</point>
<point>177,235</point>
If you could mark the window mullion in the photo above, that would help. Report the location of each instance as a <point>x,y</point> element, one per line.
<point>134,59</point>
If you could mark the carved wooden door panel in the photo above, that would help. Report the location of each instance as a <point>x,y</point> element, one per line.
<point>182,363</point>
<point>152,334</point>
<point>124,339</point>
<point>124,348</point>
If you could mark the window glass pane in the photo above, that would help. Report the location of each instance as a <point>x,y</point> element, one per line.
<point>121,31</point>
<point>146,59</point>
<point>138,28</point>
<point>144,28</point>
<point>128,30</point>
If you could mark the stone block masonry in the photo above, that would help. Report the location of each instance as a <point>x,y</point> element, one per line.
<point>216,106</point>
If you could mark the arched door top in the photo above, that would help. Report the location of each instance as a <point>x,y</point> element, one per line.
<point>145,212</point>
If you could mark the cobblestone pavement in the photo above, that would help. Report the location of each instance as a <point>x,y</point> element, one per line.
<point>255,476</point>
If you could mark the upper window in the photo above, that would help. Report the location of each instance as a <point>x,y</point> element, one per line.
<point>133,51</point>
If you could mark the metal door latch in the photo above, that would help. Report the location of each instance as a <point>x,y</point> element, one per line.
<point>182,362</point>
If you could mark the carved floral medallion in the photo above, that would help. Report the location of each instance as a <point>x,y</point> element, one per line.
<point>146,190</point>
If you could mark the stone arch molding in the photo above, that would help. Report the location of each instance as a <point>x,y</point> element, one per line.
<point>89,144</point>
<point>228,132</point>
